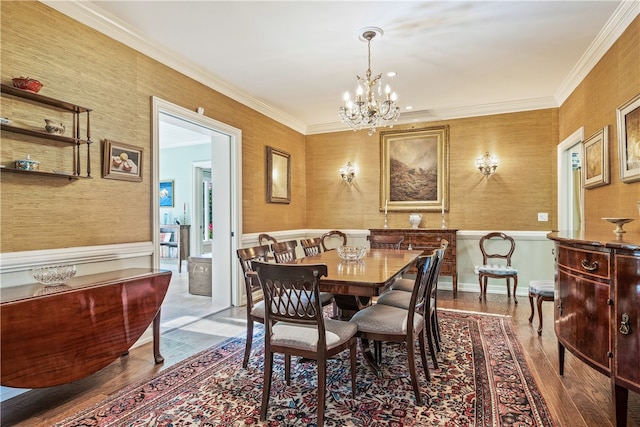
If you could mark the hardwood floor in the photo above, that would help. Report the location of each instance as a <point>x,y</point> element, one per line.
<point>582,397</point>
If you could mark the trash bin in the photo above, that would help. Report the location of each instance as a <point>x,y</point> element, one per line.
<point>199,268</point>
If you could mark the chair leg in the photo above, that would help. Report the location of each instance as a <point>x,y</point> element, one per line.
<point>266,388</point>
<point>423,356</point>
<point>352,356</point>
<point>509,288</point>
<point>480,281</point>
<point>539,301</point>
<point>432,348</point>
<point>515,287</point>
<point>531,304</point>
<point>435,327</point>
<point>322,388</point>
<point>412,370</point>
<point>287,368</point>
<point>249,342</point>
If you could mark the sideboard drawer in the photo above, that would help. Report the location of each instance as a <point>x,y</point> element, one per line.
<point>585,262</point>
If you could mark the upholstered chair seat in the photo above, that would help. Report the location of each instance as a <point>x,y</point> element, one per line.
<point>305,337</point>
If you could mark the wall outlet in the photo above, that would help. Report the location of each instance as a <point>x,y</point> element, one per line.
<point>543,216</point>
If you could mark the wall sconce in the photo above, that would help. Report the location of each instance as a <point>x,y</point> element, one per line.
<point>347,172</point>
<point>487,164</point>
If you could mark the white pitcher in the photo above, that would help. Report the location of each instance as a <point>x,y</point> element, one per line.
<point>415,219</point>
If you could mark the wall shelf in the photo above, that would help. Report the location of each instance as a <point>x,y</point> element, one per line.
<point>74,139</point>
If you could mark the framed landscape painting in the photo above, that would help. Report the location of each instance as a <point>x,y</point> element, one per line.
<point>414,169</point>
<point>629,139</point>
<point>595,152</point>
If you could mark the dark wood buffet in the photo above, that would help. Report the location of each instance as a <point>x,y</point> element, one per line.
<point>52,336</point>
<point>428,239</point>
<point>597,308</point>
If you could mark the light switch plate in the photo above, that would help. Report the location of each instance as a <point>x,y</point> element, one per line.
<point>543,216</point>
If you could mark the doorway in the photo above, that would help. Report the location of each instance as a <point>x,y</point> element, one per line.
<point>570,191</point>
<point>222,162</point>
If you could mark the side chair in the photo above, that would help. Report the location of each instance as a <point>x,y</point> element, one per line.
<point>265,239</point>
<point>502,247</point>
<point>311,246</point>
<point>286,252</point>
<point>332,236</point>
<point>385,323</point>
<point>402,299</point>
<point>295,326</point>
<point>255,303</point>
<point>385,241</point>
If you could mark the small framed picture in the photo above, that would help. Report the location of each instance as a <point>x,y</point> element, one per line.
<point>629,139</point>
<point>166,194</point>
<point>121,161</point>
<point>595,154</point>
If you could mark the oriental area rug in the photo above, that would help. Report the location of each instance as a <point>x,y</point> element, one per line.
<point>483,380</point>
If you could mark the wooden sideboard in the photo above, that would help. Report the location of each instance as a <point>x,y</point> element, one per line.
<point>59,334</point>
<point>597,308</point>
<point>177,247</point>
<point>427,239</point>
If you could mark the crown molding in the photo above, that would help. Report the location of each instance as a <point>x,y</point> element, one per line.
<point>449,113</point>
<point>624,14</point>
<point>89,14</point>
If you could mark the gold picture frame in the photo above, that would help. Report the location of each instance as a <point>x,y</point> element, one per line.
<point>595,155</point>
<point>121,161</point>
<point>629,139</point>
<point>414,169</point>
<point>278,176</point>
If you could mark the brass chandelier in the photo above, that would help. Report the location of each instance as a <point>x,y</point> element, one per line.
<point>367,111</point>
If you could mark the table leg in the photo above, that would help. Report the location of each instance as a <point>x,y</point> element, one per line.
<point>156,339</point>
<point>369,357</point>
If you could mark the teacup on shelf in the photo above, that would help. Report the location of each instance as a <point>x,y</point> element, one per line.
<point>54,127</point>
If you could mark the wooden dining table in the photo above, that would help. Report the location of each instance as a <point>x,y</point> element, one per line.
<point>354,283</point>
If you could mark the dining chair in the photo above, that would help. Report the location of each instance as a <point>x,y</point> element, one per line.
<point>255,303</point>
<point>286,252</point>
<point>385,323</point>
<point>329,239</point>
<point>502,247</point>
<point>385,241</point>
<point>295,326</point>
<point>402,299</point>
<point>265,239</point>
<point>311,246</point>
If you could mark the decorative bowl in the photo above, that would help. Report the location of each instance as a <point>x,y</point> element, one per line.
<point>54,275</point>
<point>619,222</point>
<point>27,164</point>
<point>351,253</point>
<point>26,83</point>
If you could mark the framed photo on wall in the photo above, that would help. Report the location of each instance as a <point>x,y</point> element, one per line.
<point>166,194</point>
<point>595,152</point>
<point>278,176</point>
<point>121,161</point>
<point>629,139</point>
<point>415,169</point>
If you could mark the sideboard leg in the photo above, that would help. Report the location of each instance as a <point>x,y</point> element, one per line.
<point>620,401</point>
<point>560,358</point>
<point>156,339</point>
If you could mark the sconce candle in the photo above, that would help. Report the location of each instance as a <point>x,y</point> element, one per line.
<point>386,203</point>
<point>487,164</point>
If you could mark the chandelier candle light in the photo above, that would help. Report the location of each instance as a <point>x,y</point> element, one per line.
<point>367,110</point>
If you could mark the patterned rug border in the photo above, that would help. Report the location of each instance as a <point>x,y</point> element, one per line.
<point>133,400</point>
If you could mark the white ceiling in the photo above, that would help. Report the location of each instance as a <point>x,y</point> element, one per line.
<point>293,60</point>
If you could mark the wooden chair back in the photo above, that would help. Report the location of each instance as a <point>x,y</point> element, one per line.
<point>332,239</point>
<point>246,256</point>
<point>505,252</point>
<point>265,239</point>
<point>311,246</point>
<point>385,241</point>
<point>284,251</point>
